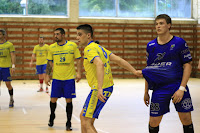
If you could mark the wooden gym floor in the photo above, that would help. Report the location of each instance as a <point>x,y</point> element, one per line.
<point>124,112</point>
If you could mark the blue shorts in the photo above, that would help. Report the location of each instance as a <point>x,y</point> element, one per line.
<point>161,98</point>
<point>93,105</point>
<point>5,74</point>
<point>41,69</point>
<point>63,88</point>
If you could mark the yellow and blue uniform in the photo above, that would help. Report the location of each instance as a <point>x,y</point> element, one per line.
<point>64,73</point>
<point>92,105</point>
<point>5,60</point>
<point>41,57</point>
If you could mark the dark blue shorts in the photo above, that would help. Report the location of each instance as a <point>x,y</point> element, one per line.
<point>63,88</point>
<point>161,98</point>
<point>93,105</point>
<point>40,69</point>
<point>5,74</point>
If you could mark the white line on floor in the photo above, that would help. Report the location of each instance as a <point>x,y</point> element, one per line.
<point>23,109</point>
<point>78,118</point>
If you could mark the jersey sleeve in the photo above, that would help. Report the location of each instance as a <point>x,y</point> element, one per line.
<point>91,53</point>
<point>34,50</point>
<point>12,48</point>
<point>108,52</point>
<point>50,54</point>
<point>77,54</point>
<point>185,54</point>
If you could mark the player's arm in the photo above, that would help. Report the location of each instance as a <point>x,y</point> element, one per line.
<point>146,94</point>
<point>48,72</point>
<point>32,59</point>
<point>178,95</point>
<point>79,69</point>
<point>123,63</point>
<point>13,60</point>
<point>199,65</point>
<point>100,77</point>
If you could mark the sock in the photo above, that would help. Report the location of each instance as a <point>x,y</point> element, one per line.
<point>11,94</point>
<point>53,107</point>
<point>69,109</point>
<point>153,129</point>
<point>41,83</point>
<point>188,128</point>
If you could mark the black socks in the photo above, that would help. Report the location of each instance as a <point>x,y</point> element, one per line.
<point>153,129</point>
<point>69,109</point>
<point>188,128</point>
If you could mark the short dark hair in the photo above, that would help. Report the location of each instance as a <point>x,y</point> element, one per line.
<point>87,28</point>
<point>166,17</point>
<point>3,31</point>
<point>62,31</point>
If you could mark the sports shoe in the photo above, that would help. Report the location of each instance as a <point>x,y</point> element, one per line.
<point>40,90</point>
<point>11,104</point>
<point>47,90</point>
<point>51,120</point>
<point>68,126</point>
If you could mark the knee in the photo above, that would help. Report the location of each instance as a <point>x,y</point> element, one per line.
<point>154,122</point>
<point>186,120</point>
<point>8,85</point>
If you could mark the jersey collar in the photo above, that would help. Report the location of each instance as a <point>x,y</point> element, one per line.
<point>62,44</point>
<point>90,42</point>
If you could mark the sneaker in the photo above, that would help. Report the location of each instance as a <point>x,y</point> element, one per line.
<point>51,120</point>
<point>11,104</point>
<point>40,90</point>
<point>47,90</point>
<point>68,126</point>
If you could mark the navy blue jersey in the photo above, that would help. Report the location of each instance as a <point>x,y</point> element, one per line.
<point>165,62</point>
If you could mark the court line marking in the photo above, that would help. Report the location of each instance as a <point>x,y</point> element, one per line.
<point>75,117</point>
<point>24,110</point>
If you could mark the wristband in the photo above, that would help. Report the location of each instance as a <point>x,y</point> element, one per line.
<point>13,65</point>
<point>182,88</point>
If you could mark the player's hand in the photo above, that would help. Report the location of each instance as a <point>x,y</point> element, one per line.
<point>138,73</point>
<point>177,97</point>
<point>100,95</point>
<point>146,99</point>
<point>12,71</point>
<point>47,80</point>
<point>30,64</point>
<point>78,77</point>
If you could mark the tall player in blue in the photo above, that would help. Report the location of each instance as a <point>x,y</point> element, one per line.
<point>167,73</point>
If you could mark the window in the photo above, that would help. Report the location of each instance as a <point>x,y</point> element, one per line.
<point>134,8</point>
<point>34,7</point>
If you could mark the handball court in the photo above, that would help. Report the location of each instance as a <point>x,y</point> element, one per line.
<point>125,111</point>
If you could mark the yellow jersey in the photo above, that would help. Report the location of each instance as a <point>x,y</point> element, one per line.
<point>41,54</point>
<point>90,52</point>
<point>63,57</point>
<point>5,56</point>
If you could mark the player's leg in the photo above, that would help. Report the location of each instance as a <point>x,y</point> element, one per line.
<point>44,75</point>
<point>41,79</point>
<point>47,89</point>
<point>186,120</point>
<point>10,90</point>
<point>159,106</point>
<point>92,109</point>
<point>184,108</point>
<point>53,105</point>
<point>7,79</point>
<point>69,93</point>
<point>40,76</point>
<point>69,110</point>
<point>56,92</point>
<point>154,124</point>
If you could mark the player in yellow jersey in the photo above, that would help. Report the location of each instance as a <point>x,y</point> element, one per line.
<point>40,52</point>
<point>98,73</point>
<point>61,57</point>
<point>7,63</point>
